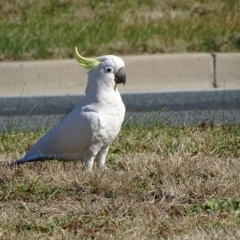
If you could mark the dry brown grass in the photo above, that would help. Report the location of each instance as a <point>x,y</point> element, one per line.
<point>145,194</point>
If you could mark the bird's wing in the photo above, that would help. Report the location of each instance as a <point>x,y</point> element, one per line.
<point>71,137</point>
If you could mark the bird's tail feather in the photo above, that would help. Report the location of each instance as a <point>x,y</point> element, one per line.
<point>32,158</point>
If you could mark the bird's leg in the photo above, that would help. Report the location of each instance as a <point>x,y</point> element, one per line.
<point>102,157</point>
<point>88,160</point>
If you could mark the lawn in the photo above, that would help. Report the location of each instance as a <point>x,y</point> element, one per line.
<point>162,182</point>
<point>50,29</point>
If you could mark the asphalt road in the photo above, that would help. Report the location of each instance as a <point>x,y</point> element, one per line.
<point>173,108</point>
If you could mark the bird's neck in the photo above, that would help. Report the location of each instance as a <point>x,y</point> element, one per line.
<point>97,85</point>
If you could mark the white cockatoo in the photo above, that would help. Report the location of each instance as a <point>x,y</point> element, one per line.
<point>87,131</point>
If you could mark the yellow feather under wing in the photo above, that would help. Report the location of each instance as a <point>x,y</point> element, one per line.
<point>88,63</point>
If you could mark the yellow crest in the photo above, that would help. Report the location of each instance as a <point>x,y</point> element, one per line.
<point>88,63</point>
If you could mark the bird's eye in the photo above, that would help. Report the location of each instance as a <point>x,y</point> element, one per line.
<point>109,69</point>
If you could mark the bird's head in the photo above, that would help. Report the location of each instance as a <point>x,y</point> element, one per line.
<point>110,67</point>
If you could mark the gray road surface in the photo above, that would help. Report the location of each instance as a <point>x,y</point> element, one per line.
<point>174,108</point>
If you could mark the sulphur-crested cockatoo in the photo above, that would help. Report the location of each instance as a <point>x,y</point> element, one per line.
<point>87,131</point>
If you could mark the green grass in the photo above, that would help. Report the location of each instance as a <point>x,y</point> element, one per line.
<point>162,182</point>
<point>51,29</point>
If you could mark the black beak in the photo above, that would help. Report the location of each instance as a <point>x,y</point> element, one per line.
<point>120,77</point>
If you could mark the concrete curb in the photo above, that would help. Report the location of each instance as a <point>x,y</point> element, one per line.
<point>178,72</point>
<point>228,70</point>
